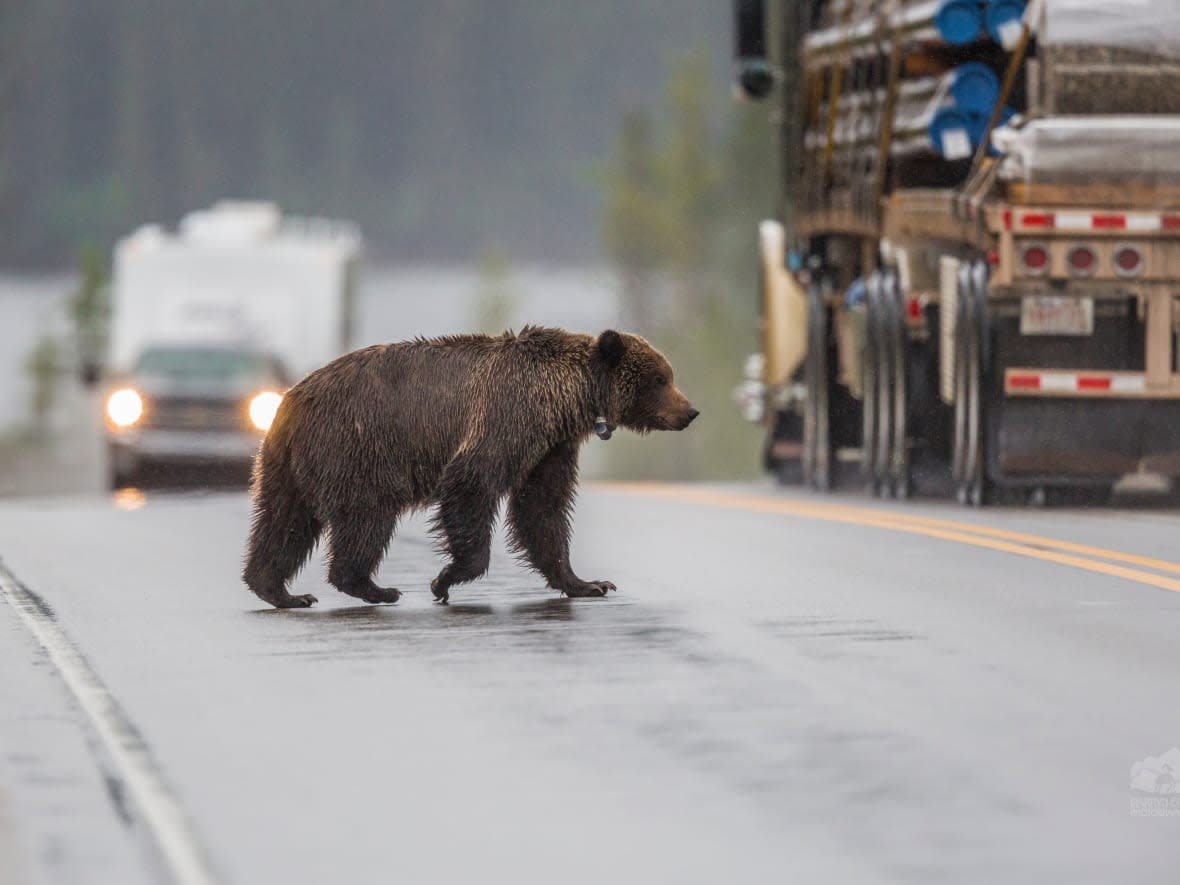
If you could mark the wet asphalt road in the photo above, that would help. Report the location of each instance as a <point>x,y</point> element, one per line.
<point>773,695</point>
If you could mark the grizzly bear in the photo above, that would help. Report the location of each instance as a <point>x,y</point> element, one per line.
<point>460,422</point>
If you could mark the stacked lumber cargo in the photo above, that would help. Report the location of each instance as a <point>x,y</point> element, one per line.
<point>1108,122</point>
<point>1105,79</point>
<point>899,94</point>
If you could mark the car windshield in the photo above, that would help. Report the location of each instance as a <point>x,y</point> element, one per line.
<point>203,362</point>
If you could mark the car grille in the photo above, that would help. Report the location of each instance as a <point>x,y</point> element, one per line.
<point>176,413</point>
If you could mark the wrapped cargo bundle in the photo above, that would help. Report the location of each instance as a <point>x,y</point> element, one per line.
<point>1109,91</point>
<point>1105,79</point>
<point>1081,150</point>
<point>1101,57</point>
<point>1148,25</point>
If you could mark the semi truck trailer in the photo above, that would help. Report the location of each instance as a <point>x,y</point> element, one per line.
<point>973,275</point>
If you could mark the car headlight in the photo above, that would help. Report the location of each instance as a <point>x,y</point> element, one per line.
<point>124,407</point>
<point>263,408</point>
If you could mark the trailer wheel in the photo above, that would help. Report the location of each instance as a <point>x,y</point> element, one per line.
<point>974,489</point>
<point>884,387</point>
<point>783,426</point>
<point>870,371</point>
<point>959,430</point>
<point>817,438</point>
<point>898,478</point>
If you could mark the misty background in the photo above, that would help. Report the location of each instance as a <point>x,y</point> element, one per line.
<point>596,140</point>
<point>443,127</point>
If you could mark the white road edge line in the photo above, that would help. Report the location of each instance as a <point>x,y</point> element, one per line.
<point>158,808</point>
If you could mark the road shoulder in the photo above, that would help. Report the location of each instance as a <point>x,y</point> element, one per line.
<point>60,819</point>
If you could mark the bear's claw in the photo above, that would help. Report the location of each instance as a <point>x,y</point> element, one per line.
<point>305,600</point>
<point>589,588</point>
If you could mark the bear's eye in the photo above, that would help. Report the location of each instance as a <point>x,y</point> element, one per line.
<point>661,381</point>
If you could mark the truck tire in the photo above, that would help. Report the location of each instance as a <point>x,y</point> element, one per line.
<point>885,399</point>
<point>870,465</point>
<point>973,486</point>
<point>885,392</point>
<point>817,437</point>
<point>899,483</point>
<point>959,415</point>
<point>783,425</point>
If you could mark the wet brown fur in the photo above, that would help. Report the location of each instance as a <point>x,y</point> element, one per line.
<point>460,422</point>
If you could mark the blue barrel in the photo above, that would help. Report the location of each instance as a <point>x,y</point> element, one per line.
<point>959,22</point>
<point>1003,18</point>
<point>950,132</point>
<point>975,87</point>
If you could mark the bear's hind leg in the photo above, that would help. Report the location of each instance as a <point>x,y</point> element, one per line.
<point>358,542</point>
<point>281,538</point>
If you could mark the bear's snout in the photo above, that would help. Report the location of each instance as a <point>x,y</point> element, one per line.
<point>686,418</point>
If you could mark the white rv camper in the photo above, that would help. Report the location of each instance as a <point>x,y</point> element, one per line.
<point>211,323</point>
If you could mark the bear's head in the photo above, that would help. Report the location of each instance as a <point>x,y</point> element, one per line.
<point>642,393</point>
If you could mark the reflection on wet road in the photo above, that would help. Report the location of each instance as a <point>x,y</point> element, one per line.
<point>766,698</point>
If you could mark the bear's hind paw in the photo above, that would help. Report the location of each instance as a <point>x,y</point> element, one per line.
<point>384,594</point>
<point>367,591</point>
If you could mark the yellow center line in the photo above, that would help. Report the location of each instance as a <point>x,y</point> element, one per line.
<point>1016,543</point>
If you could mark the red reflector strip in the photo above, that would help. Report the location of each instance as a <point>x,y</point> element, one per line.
<point>1098,221</point>
<point>1108,222</point>
<point>1037,219</point>
<point>1067,383</point>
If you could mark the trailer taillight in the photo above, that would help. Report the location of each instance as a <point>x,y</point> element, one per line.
<point>1128,261</point>
<point>1082,261</point>
<point>1035,259</point>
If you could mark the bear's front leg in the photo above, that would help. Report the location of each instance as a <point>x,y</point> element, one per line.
<point>539,514</point>
<point>466,509</point>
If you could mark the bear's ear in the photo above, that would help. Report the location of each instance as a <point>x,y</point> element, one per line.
<point>611,347</point>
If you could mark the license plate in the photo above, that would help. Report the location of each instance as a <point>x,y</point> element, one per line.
<point>1056,315</point>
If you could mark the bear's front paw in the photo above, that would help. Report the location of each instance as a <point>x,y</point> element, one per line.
<point>588,588</point>
<point>304,600</point>
<point>440,595</point>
